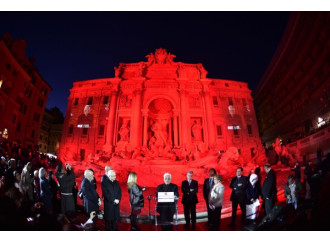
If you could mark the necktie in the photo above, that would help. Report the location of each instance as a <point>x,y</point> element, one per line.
<point>211,181</point>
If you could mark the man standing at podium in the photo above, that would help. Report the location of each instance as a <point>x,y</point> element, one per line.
<point>189,189</point>
<point>166,210</point>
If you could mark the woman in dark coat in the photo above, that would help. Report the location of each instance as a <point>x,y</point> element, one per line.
<point>45,192</point>
<point>92,200</point>
<point>112,195</point>
<point>135,199</point>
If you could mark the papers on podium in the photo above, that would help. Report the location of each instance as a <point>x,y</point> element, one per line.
<point>166,197</point>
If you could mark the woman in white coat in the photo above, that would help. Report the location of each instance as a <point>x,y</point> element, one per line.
<point>215,202</point>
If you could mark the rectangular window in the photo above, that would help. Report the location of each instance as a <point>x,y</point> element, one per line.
<point>230,101</point>
<point>249,129</point>
<point>40,102</point>
<point>226,84</point>
<point>215,101</point>
<point>24,109</point>
<point>84,131</point>
<point>32,134</point>
<point>219,131</point>
<point>244,102</point>
<point>76,101</point>
<point>235,128</point>
<point>18,128</point>
<point>45,91</point>
<point>106,100</point>
<point>101,130</point>
<point>14,119</point>
<point>90,101</point>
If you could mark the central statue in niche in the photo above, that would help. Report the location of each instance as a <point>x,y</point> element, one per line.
<point>160,129</point>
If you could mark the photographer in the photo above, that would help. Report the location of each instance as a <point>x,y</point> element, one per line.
<point>66,179</point>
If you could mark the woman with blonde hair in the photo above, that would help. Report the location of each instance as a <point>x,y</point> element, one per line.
<point>27,180</point>
<point>135,198</point>
<point>215,202</point>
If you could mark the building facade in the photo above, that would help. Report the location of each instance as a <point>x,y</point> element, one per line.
<point>161,108</point>
<point>23,93</point>
<point>293,98</point>
<point>51,131</point>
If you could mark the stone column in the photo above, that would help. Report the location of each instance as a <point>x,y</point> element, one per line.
<point>209,117</point>
<point>184,117</point>
<point>111,122</point>
<point>135,129</point>
<point>145,127</point>
<point>175,128</point>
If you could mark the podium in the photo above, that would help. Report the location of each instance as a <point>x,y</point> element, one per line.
<point>166,206</point>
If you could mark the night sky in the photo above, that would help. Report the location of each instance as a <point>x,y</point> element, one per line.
<point>71,46</point>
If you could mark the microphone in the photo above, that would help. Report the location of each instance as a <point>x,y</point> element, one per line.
<point>149,197</point>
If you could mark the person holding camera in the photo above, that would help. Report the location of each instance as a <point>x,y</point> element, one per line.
<point>111,193</point>
<point>135,198</point>
<point>66,178</point>
<point>92,200</point>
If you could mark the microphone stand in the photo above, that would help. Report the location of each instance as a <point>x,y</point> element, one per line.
<point>149,198</point>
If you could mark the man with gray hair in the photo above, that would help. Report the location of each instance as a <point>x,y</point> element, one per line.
<point>92,200</point>
<point>189,188</point>
<point>105,176</point>
<point>166,210</point>
<point>111,193</point>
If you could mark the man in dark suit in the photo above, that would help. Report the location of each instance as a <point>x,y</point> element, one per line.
<point>112,195</point>
<point>189,189</point>
<point>268,190</point>
<point>166,210</point>
<point>208,184</point>
<point>92,200</point>
<point>238,195</point>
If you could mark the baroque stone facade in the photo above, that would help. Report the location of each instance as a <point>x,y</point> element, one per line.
<point>159,110</point>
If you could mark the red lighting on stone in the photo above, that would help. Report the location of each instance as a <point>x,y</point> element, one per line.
<point>161,116</point>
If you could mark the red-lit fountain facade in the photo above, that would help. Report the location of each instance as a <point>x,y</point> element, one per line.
<point>160,116</point>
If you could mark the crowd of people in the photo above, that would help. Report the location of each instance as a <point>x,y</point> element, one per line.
<point>31,199</point>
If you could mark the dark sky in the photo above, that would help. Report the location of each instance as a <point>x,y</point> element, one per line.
<point>70,46</point>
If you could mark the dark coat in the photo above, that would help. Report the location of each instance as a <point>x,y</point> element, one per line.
<point>207,188</point>
<point>136,197</point>
<point>66,181</point>
<point>169,208</point>
<point>189,197</point>
<point>90,196</point>
<point>239,192</point>
<point>268,189</point>
<point>45,194</point>
<point>111,191</point>
<point>252,192</point>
